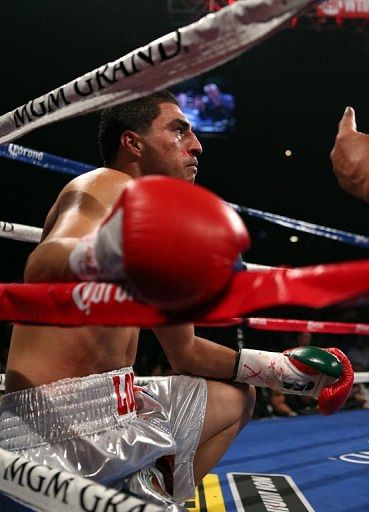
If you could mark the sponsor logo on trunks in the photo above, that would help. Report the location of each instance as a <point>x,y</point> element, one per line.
<point>19,151</point>
<point>104,77</point>
<point>123,385</point>
<point>85,294</point>
<point>44,488</point>
<point>267,493</point>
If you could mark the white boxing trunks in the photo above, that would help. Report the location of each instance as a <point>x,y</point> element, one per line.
<point>104,428</point>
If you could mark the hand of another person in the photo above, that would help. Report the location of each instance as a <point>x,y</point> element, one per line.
<point>350,156</point>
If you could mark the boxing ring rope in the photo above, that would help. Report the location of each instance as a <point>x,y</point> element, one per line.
<point>44,160</point>
<point>99,303</point>
<point>281,325</point>
<point>20,232</point>
<point>306,227</point>
<point>313,326</point>
<point>42,488</point>
<point>174,57</point>
<point>75,168</point>
<point>142,380</point>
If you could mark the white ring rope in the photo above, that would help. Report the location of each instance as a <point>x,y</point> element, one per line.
<point>24,233</point>
<point>360,377</point>
<point>177,56</point>
<point>140,381</point>
<point>20,232</point>
<point>42,488</point>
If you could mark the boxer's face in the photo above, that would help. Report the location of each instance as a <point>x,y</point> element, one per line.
<point>170,147</point>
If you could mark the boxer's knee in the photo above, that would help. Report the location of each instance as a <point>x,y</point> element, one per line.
<point>244,403</point>
<point>229,406</point>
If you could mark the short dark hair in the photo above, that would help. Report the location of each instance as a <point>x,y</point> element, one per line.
<point>136,115</point>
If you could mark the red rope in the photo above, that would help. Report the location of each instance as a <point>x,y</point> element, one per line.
<point>280,324</point>
<point>73,304</point>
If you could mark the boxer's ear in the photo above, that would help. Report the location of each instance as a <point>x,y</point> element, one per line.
<point>131,141</point>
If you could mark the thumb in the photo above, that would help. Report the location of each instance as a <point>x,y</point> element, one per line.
<point>348,121</point>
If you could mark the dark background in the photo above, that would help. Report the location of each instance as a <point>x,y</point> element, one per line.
<point>291,91</point>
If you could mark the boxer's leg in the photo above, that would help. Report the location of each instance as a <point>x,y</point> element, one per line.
<point>229,408</point>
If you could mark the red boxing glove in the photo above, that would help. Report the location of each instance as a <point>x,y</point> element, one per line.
<point>173,242</point>
<point>332,398</point>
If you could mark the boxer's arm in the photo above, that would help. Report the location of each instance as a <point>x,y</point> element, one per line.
<point>190,354</point>
<point>79,210</point>
<point>325,374</point>
<point>350,157</point>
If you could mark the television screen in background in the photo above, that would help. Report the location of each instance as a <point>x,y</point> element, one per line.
<point>208,105</point>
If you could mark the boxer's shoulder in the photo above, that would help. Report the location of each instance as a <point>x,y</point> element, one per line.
<point>95,192</point>
<point>101,177</point>
<point>100,186</point>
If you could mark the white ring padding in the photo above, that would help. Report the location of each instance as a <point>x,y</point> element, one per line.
<point>20,232</point>
<point>177,56</point>
<point>45,489</point>
<point>361,377</point>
